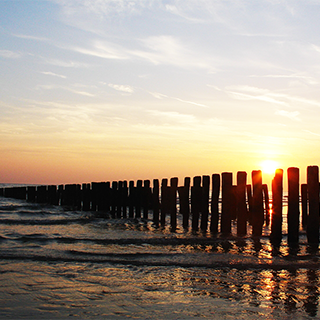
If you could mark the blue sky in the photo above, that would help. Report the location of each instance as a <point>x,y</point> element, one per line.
<point>102,90</point>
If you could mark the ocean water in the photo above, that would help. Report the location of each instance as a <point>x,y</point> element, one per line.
<point>62,264</point>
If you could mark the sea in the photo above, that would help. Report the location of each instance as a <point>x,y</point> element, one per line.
<point>57,263</point>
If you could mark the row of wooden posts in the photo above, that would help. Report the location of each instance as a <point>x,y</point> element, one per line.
<point>203,203</point>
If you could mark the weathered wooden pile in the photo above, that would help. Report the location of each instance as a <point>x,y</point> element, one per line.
<point>209,205</point>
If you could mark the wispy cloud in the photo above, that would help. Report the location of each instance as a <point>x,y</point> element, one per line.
<point>104,8</point>
<point>181,13</point>
<point>305,78</point>
<point>65,63</point>
<point>294,115</point>
<point>158,95</point>
<point>170,50</point>
<point>73,90</point>
<point>10,54</point>
<point>172,117</point>
<point>266,95</point>
<point>123,88</point>
<point>30,37</point>
<point>102,49</point>
<point>54,74</point>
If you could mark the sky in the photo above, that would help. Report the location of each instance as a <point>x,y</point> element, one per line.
<point>102,90</point>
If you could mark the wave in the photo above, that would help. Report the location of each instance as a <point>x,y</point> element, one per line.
<point>216,261</point>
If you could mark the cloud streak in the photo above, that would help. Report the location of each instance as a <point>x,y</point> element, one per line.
<point>122,88</point>
<point>10,54</point>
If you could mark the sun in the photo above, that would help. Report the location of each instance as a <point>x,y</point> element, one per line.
<point>269,166</point>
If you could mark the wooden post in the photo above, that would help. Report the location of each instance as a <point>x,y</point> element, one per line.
<point>103,196</point>
<point>293,205</point>
<point>277,193</point>
<point>215,193</point>
<point>155,201</point>
<point>78,197</point>
<point>86,196</point>
<point>138,198</point>
<point>70,195</point>
<point>184,202</point>
<point>241,203</point>
<point>205,203</point>
<point>226,202</point>
<point>114,195</point>
<point>164,200</point>
<point>250,202</point>
<point>146,198</point>
<point>233,208</point>
<point>61,194</point>
<point>173,203</point>
<point>124,199</point>
<point>196,200</point>
<point>42,196</point>
<point>313,196</point>
<point>257,199</point>
<point>31,194</point>
<point>266,203</point>
<point>118,200</point>
<point>304,205</point>
<point>52,195</point>
<point>94,196</point>
<point>131,198</point>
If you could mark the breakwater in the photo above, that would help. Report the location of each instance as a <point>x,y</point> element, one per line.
<point>205,202</point>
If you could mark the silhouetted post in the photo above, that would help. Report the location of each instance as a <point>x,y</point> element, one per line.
<point>226,202</point>
<point>155,201</point>
<point>138,198</point>
<point>266,203</point>
<point>205,203</point>
<point>52,195</point>
<point>293,205</point>
<point>313,196</point>
<point>131,198</point>
<point>61,194</point>
<point>31,194</point>
<point>241,203</point>
<point>215,193</point>
<point>277,194</point>
<point>107,196</point>
<point>164,201</point>
<point>86,196</point>
<point>196,200</point>
<point>233,208</point>
<point>118,200</point>
<point>1,192</point>
<point>304,205</point>
<point>78,197</point>
<point>173,203</point>
<point>184,202</point>
<point>22,193</point>
<point>257,199</point>
<point>146,198</point>
<point>124,199</point>
<point>94,196</point>
<point>42,196</point>
<point>250,202</point>
<point>69,195</point>
<point>114,194</point>
<point>103,196</point>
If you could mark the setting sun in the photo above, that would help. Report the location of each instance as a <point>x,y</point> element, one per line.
<point>269,166</point>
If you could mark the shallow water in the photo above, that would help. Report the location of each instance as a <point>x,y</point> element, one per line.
<point>59,264</point>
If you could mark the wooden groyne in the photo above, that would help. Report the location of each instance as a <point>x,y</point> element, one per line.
<point>209,203</point>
